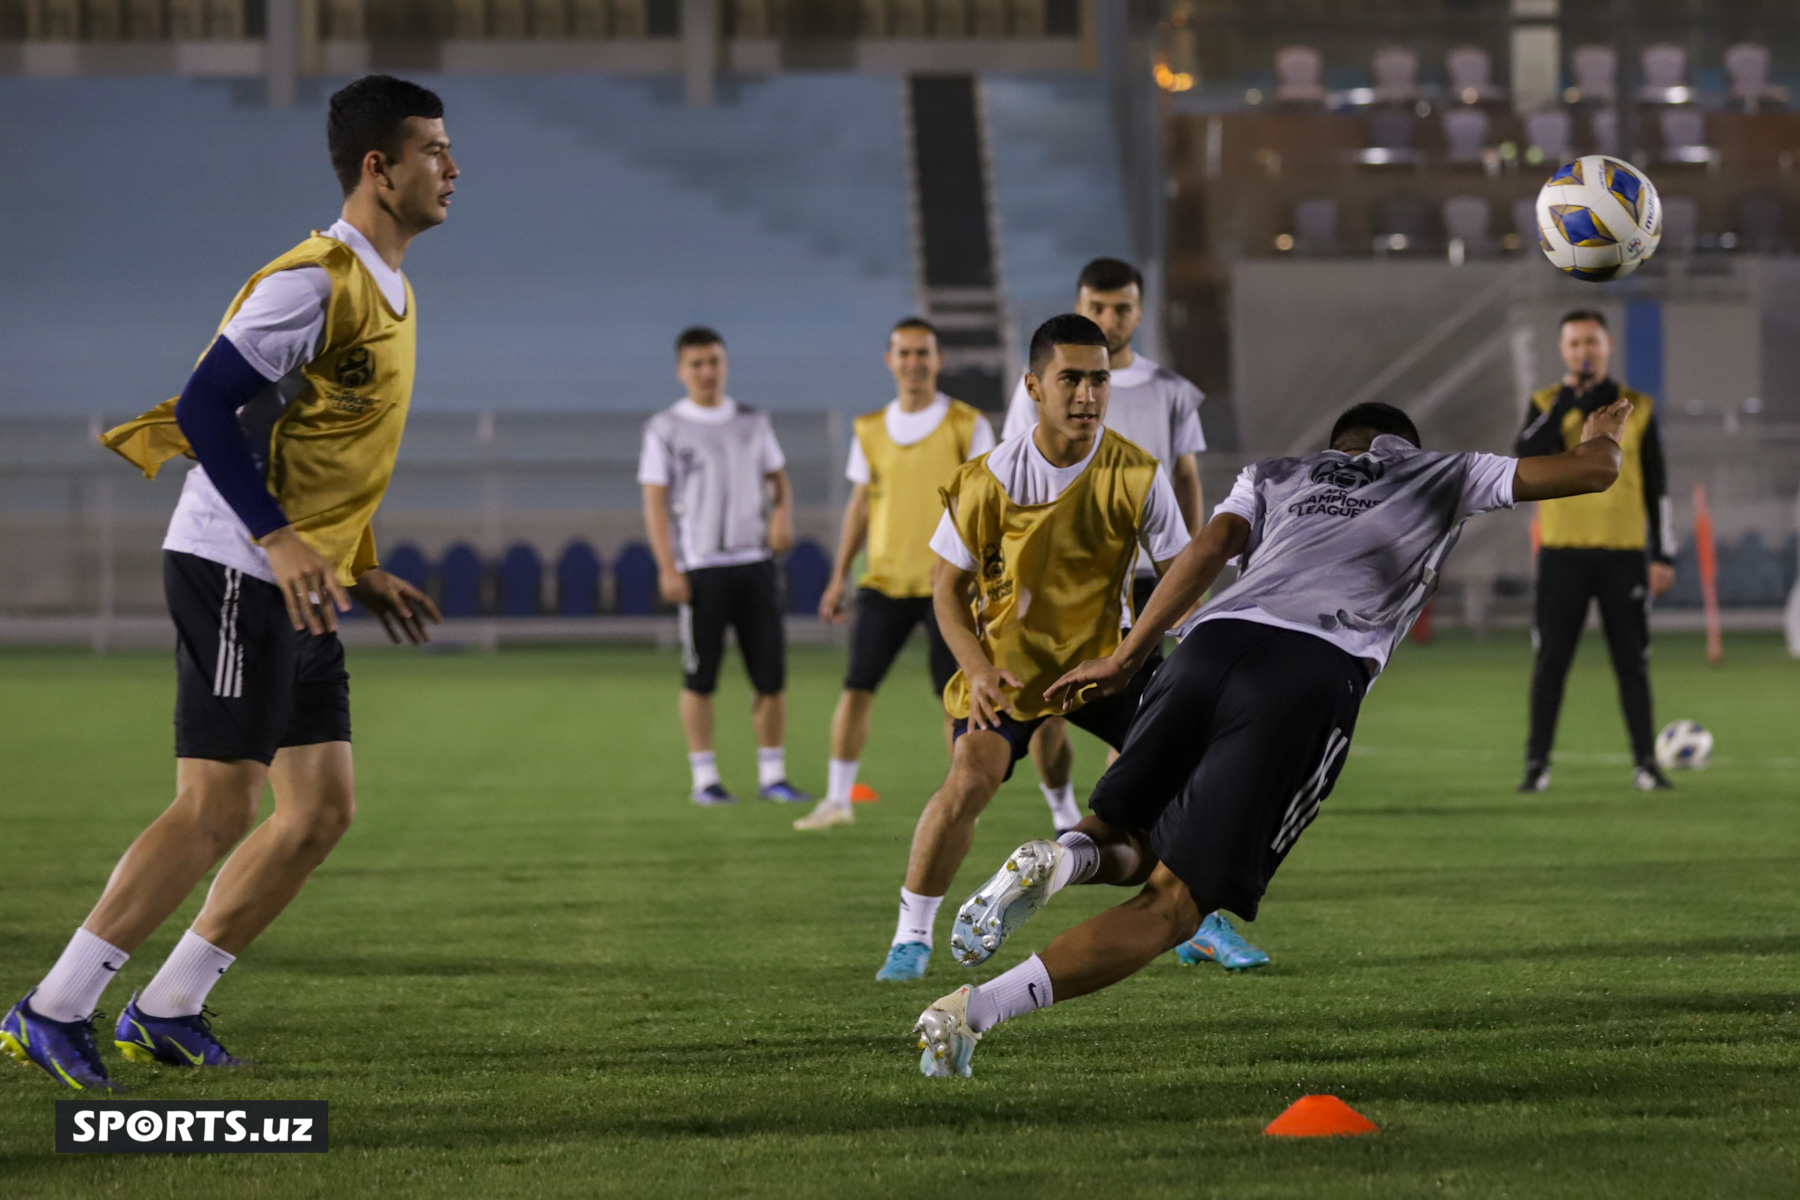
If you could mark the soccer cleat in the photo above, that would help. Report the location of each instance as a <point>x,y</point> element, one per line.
<point>712,794</point>
<point>1217,941</point>
<point>784,792</point>
<point>177,1041</point>
<point>64,1049</point>
<point>946,1043</point>
<point>1537,777</point>
<point>1645,777</point>
<point>825,814</point>
<point>905,961</point>
<point>1006,901</point>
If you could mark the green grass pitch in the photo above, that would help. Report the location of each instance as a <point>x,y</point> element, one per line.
<point>533,969</point>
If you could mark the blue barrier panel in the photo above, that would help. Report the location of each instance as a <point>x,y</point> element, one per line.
<point>578,581</point>
<point>408,563</point>
<point>461,575</point>
<point>634,577</point>
<point>807,571</point>
<point>521,582</point>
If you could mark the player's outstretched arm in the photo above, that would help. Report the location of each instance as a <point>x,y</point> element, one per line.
<point>1590,467</point>
<point>1182,584</point>
<point>950,586</point>
<point>850,540</point>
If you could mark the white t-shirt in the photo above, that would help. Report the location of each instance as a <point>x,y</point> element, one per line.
<point>277,329</point>
<point>911,428</point>
<point>653,461</point>
<point>714,509</point>
<point>1028,477</point>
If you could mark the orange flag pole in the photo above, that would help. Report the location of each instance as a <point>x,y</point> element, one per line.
<point>1707,555</point>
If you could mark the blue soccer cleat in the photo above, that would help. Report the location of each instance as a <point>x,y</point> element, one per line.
<point>176,1041</point>
<point>905,960</point>
<point>1216,941</point>
<point>64,1049</point>
<point>712,794</point>
<point>784,792</point>
<point>946,1043</point>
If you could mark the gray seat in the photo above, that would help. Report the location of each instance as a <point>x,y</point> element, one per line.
<point>1549,132</point>
<point>1665,74</point>
<point>1596,68</point>
<point>1468,218</point>
<point>1299,75</point>
<point>1605,125</point>
<point>1396,71</point>
<point>1471,71</point>
<point>1466,130</point>
<point>1747,66</point>
<point>1316,225</point>
<point>1683,133</point>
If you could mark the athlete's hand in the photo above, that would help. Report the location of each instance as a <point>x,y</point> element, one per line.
<point>308,582</point>
<point>987,697</point>
<point>1101,676</point>
<point>1607,422</point>
<point>831,604</point>
<point>402,608</point>
<point>1662,577</point>
<point>674,586</point>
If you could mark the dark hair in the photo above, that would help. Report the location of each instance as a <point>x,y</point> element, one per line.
<point>367,115</point>
<point>1378,418</point>
<point>1070,329</point>
<point>913,323</point>
<point>1109,275</point>
<point>697,335</point>
<point>1583,314</point>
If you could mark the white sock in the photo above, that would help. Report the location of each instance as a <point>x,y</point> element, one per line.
<point>1079,864</point>
<point>771,765</point>
<point>72,988</point>
<point>180,988</point>
<point>705,768</point>
<point>840,777</point>
<point>1064,812</point>
<point>1025,988</point>
<point>917,915</point>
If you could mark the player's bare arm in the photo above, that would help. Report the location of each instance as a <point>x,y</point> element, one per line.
<point>850,542</point>
<point>1188,497</point>
<point>1183,583</point>
<point>671,581</point>
<point>781,512</point>
<point>401,608</point>
<point>1590,467</point>
<point>951,589</point>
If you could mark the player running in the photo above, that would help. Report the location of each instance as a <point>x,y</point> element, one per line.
<point>295,414</point>
<point>1043,530</point>
<point>718,509</point>
<point>1243,730</point>
<point>901,458</point>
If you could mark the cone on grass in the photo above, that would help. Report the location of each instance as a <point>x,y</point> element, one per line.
<point>862,793</point>
<point>1320,1116</point>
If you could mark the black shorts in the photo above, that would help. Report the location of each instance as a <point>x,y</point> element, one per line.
<point>246,684</point>
<point>746,597</point>
<point>879,629</point>
<point>1239,739</point>
<point>1108,718</point>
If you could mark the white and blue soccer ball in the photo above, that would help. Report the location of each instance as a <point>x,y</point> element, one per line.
<point>1684,746</point>
<point>1598,218</point>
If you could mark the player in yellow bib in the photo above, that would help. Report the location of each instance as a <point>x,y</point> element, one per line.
<point>901,458</point>
<point>294,414</point>
<point>1036,548</point>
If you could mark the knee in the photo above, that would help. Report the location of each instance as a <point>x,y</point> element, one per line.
<point>962,798</point>
<point>1170,901</point>
<point>224,812</point>
<point>325,823</point>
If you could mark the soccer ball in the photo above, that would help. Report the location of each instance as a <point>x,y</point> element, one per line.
<point>1683,745</point>
<point>1598,218</point>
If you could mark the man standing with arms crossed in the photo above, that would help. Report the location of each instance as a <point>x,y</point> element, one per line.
<point>1615,546</point>
<point>901,458</point>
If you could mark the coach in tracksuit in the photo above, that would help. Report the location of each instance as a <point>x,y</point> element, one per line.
<point>1614,546</point>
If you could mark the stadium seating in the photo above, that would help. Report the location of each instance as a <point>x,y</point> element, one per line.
<point>634,581</point>
<point>521,582</point>
<point>460,582</point>
<point>808,571</point>
<point>578,581</point>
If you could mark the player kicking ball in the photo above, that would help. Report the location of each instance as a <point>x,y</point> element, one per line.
<point>295,415</point>
<point>1242,732</point>
<point>1038,540</point>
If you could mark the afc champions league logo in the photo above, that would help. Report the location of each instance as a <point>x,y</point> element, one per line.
<point>1348,474</point>
<point>356,367</point>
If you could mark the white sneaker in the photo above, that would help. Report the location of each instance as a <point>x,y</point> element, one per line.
<point>1002,904</point>
<point>825,814</point>
<point>946,1043</point>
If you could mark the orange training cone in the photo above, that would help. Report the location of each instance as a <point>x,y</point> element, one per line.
<point>862,793</point>
<point>1320,1116</point>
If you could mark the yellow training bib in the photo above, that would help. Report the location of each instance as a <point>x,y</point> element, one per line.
<point>905,483</point>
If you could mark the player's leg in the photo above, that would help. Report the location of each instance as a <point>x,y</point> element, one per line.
<point>941,662</point>
<point>701,623</point>
<point>1054,760</point>
<point>1623,585</point>
<point>879,626</point>
<point>756,605</point>
<point>981,761</point>
<point>1560,607</point>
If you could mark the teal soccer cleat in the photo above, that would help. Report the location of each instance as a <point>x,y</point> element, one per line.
<point>1216,941</point>
<point>905,961</point>
<point>946,1043</point>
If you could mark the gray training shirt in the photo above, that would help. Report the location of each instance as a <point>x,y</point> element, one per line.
<point>714,461</point>
<point>1348,549</point>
